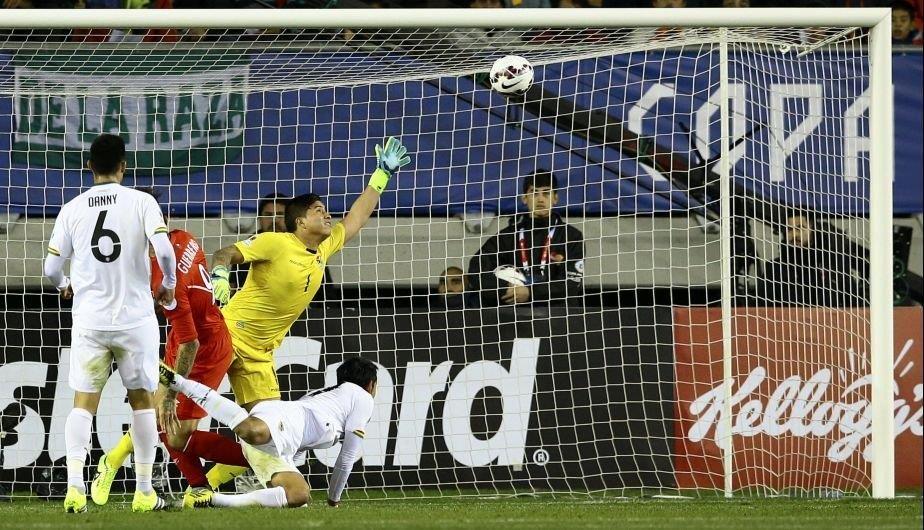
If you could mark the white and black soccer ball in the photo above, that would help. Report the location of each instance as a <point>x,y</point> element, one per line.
<point>510,274</point>
<point>511,75</point>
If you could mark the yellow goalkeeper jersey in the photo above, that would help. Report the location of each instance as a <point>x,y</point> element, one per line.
<point>283,279</point>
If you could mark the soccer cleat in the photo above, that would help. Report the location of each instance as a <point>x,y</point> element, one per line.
<point>148,502</point>
<point>102,481</point>
<point>167,375</point>
<point>197,497</point>
<point>75,501</point>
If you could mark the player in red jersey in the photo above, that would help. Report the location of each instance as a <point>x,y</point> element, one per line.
<point>198,344</point>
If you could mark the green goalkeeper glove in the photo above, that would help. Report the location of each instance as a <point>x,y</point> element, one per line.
<point>388,160</point>
<point>221,287</point>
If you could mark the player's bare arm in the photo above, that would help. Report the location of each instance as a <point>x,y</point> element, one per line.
<point>226,257</point>
<point>166,408</point>
<point>221,261</point>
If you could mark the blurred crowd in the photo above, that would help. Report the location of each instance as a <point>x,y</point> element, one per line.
<point>907,15</point>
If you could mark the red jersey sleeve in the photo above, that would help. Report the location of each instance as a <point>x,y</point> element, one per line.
<point>182,323</point>
<point>180,316</point>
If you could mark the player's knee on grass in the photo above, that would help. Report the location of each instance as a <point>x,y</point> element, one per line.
<point>298,492</point>
<point>298,495</point>
<point>253,431</point>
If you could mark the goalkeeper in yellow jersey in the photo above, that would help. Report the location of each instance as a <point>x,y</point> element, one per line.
<point>285,273</point>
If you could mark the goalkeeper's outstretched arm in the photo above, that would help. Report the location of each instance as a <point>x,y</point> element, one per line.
<point>389,160</point>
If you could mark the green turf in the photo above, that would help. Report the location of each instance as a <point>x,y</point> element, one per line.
<point>505,513</point>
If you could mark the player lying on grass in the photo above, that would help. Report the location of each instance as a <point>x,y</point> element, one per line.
<point>286,270</point>
<point>198,347</point>
<point>275,431</point>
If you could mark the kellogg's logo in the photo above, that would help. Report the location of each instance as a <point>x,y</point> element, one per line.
<point>811,407</point>
<point>799,404</point>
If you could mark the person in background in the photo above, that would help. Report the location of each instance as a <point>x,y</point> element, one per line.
<point>668,3</point>
<point>271,211</point>
<point>548,252</point>
<point>450,289</point>
<point>528,3</point>
<point>817,266</point>
<point>903,28</point>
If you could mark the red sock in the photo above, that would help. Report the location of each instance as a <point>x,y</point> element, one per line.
<point>189,465</point>
<point>216,448</point>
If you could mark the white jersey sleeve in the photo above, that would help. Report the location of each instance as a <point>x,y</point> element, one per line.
<point>354,431</point>
<point>60,242</point>
<point>151,217</point>
<point>359,416</point>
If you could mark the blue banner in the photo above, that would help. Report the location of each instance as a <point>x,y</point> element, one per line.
<point>220,152</point>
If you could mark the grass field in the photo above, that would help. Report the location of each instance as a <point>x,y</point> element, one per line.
<point>507,513</point>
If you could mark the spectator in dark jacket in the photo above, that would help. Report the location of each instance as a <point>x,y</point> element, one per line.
<point>815,268</point>
<point>548,252</point>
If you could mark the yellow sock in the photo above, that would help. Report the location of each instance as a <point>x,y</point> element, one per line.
<point>120,452</point>
<point>222,473</point>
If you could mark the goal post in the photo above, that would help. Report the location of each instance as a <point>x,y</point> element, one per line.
<point>881,330</point>
<point>686,144</point>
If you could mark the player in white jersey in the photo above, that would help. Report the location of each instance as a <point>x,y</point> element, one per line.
<point>105,232</point>
<point>273,432</point>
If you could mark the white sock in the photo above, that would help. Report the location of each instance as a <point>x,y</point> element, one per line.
<point>77,432</point>
<point>222,409</point>
<point>144,438</point>
<point>269,497</point>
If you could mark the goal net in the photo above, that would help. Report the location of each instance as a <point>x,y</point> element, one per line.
<point>712,328</point>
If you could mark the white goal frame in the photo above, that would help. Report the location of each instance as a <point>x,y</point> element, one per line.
<point>877,20</point>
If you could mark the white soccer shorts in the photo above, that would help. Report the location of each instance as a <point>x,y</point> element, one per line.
<point>136,352</point>
<point>286,423</point>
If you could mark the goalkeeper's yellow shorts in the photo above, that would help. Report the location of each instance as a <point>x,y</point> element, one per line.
<point>253,375</point>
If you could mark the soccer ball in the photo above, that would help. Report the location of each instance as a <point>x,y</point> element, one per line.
<point>511,75</point>
<point>510,274</point>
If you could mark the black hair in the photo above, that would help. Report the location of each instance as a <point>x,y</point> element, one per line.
<point>446,272</point>
<point>297,206</point>
<point>272,198</point>
<point>901,5</point>
<point>540,179</point>
<point>106,153</point>
<point>358,371</point>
